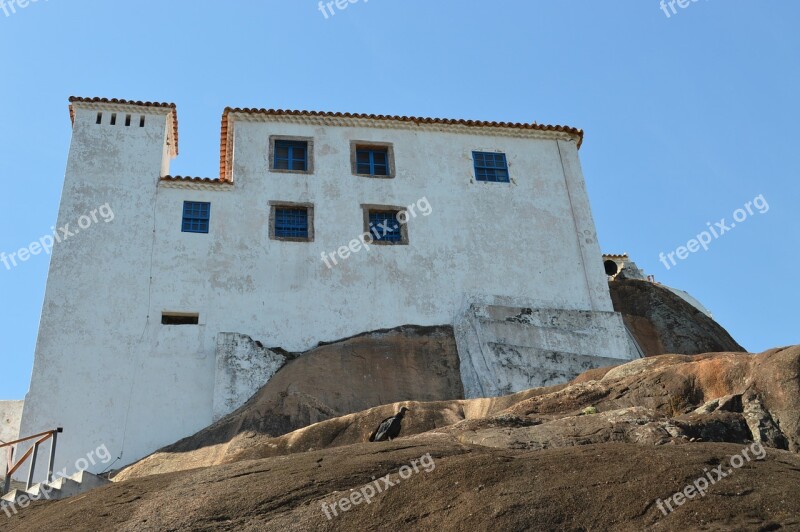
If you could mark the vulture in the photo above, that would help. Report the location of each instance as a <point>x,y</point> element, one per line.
<point>389,428</point>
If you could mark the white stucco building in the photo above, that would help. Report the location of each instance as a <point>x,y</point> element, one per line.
<point>501,221</point>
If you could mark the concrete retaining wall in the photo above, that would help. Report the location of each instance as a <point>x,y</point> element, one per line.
<point>506,349</point>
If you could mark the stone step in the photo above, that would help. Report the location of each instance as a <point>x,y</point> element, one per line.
<point>12,495</point>
<point>16,500</point>
<point>89,481</point>
<point>45,491</point>
<point>61,488</point>
<point>65,486</point>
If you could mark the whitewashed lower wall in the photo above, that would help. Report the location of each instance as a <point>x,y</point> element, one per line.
<point>10,417</point>
<point>243,367</point>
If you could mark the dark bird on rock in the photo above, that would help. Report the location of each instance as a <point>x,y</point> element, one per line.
<point>389,428</point>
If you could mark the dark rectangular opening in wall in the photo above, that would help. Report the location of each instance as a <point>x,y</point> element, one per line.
<point>127,120</point>
<point>99,118</point>
<point>113,119</point>
<point>177,318</point>
<point>141,121</point>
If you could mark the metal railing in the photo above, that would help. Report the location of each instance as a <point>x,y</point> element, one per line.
<point>32,452</point>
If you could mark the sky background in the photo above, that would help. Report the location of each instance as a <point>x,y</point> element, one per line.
<point>687,118</point>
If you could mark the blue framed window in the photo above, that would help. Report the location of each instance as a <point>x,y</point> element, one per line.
<point>291,222</point>
<point>291,155</point>
<point>491,167</point>
<point>372,161</point>
<point>196,216</point>
<point>385,226</point>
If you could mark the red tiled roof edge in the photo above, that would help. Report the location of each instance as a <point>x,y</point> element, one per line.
<point>225,142</point>
<point>213,180</point>
<point>172,106</point>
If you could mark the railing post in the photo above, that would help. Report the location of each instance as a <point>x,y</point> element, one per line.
<point>52,454</point>
<point>7,483</point>
<point>33,466</point>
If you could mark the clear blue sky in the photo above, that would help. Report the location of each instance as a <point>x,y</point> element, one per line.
<point>687,118</point>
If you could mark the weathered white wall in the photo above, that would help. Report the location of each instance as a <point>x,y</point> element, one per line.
<point>482,238</point>
<point>109,372</point>
<point>105,369</point>
<point>243,367</point>
<point>10,417</point>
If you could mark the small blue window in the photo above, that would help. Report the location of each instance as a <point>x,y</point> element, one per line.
<point>491,167</point>
<point>196,215</point>
<point>291,155</point>
<point>372,161</point>
<point>385,226</point>
<point>291,222</point>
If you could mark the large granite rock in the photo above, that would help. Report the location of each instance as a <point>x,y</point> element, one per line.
<point>669,399</point>
<point>662,322</point>
<point>598,453</point>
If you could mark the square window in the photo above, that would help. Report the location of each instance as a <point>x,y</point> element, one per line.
<point>372,160</point>
<point>291,154</point>
<point>491,167</point>
<point>196,216</point>
<point>386,224</point>
<point>293,222</point>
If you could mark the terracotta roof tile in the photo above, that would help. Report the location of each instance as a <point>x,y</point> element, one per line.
<point>226,140</point>
<point>73,99</point>
<point>213,180</point>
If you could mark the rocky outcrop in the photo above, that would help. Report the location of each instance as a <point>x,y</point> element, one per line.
<point>598,453</point>
<point>670,399</point>
<point>662,322</point>
<point>467,487</point>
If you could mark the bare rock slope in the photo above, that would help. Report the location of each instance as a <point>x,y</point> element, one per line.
<point>725,397</point>
<point>662,322</point>
<point>595,454</point>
